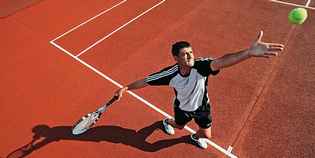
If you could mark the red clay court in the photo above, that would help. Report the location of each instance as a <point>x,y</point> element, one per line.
<point>62,59</point>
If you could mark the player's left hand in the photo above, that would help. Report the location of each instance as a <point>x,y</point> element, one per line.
<point>263,49</point>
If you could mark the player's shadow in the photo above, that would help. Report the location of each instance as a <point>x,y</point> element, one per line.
<point>44,135</point>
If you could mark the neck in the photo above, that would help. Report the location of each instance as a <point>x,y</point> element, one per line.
<point>184,70</point>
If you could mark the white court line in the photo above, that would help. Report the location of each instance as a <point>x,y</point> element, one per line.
<point>103,12</point>
<point>308,3</point>
<point>293,4</point>
<point>226,152</point>
<point>119,28</point>
<point>230,148</point>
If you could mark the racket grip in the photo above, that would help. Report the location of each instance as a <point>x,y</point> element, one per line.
<point>111,101</point>
<point>101,109</point>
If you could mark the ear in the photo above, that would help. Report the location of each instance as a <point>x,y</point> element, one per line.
<point>175,58</point>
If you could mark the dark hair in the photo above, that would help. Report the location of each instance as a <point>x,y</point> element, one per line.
<point>176,47</point>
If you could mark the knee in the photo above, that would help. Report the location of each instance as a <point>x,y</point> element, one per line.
<point>208,135</point>
<point>205,132</point>
<point>181,126</point>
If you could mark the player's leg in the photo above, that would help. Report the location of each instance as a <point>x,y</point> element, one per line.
<point>201,136</point>
<point>204,120</point>
<point>173,123</point>
<point>181,119</point>
<point>204,133</point>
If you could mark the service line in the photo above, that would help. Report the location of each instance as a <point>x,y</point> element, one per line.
<point>87,21</point>
<point>293,4</point>
<point>119,28</point>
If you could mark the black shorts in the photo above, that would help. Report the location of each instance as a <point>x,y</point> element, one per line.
<point>202,116</point>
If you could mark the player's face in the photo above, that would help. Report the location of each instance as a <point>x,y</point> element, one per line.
<point>185,57</point>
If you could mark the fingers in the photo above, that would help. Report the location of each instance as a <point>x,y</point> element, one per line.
<point>271,54</point>
<point>263,56</point>
<point>119,93</point>
<point>117,96</point>
<point>276,45</point>
<point>268,55</point>
<point>260,35</point>
<point>275,49</point>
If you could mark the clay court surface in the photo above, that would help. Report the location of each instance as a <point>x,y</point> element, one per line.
<point>62,59</point>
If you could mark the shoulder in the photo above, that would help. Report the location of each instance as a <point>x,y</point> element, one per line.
<point>167,71</point>
<point>202,61</point>
<point>203,66</point>
<point>170,68</point>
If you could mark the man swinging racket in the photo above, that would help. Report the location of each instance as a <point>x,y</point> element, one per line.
<point>189,77</point>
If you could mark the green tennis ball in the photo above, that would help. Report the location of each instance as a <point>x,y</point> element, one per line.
<point>298,16</point>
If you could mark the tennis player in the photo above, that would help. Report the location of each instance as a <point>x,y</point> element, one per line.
<point>189,77</point>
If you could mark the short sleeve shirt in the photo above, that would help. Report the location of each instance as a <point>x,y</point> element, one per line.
<point>190,91</point>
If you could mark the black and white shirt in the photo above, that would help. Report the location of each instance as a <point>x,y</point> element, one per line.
<point>190,91</point>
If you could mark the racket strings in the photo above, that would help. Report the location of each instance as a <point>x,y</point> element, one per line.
<point>90,119</point>
<point>93,118</point>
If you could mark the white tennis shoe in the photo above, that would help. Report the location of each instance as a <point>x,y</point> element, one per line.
<point>168,128</point>
<point>201,142</point>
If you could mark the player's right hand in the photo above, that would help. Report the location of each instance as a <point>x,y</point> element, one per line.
<point>119,93</point>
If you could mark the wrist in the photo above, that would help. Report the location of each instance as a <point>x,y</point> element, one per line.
<point>125,88</point>
<point>247,52</point>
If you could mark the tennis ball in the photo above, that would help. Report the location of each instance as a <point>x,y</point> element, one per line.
<point>297,16</point>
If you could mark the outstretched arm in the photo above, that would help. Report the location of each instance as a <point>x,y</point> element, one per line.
<point>134,85</point>
<point>257,49</point>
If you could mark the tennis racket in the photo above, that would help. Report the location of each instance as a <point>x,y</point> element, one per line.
<point>87,121</point>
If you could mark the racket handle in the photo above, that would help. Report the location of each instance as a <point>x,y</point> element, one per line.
<point>103,108</point>
<point>114,98</point>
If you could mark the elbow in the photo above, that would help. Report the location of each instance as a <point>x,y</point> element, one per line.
<point>215,66</point>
